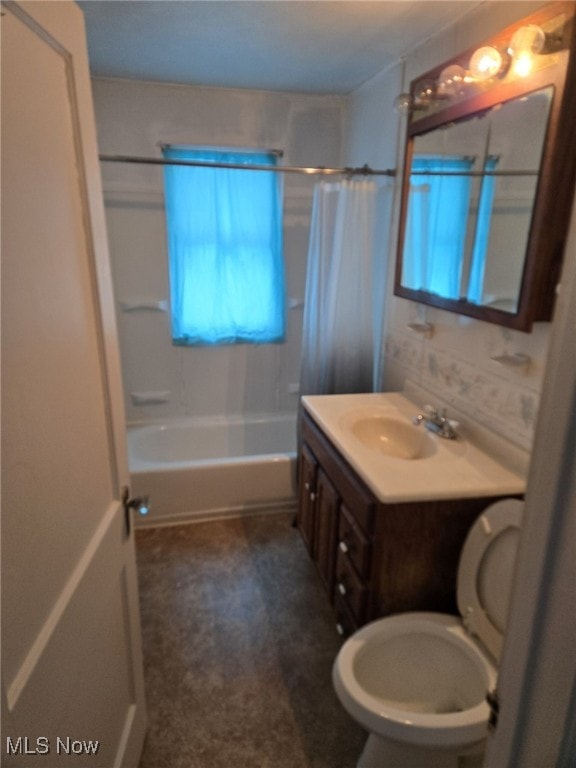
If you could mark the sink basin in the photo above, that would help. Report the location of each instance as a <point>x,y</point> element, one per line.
<point>391,436</point>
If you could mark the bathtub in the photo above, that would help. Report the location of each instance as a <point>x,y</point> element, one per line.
<point>199,469</point>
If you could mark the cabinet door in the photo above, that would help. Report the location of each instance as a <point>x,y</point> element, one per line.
<point>327,510</point>
<point>305,516</point>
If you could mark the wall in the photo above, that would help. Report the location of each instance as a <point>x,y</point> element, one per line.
<point>132,119</point>
<point>455,363</point>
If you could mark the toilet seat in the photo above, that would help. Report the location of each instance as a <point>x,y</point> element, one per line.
<point>486,571</point>
<point>378,714</point>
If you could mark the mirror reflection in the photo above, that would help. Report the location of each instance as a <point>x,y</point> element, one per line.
<point>472,191</point>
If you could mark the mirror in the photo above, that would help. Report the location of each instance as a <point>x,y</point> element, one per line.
<point>479,189</point>
<point>472,192</point>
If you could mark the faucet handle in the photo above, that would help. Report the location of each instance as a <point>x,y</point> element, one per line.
<point>437,421</point>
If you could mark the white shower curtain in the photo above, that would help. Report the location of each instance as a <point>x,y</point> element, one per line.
<point>338,353</point>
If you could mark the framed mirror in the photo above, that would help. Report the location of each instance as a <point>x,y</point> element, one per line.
<point>489,175</point>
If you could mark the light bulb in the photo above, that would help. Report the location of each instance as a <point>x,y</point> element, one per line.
<point>403,103</point>
<point>526,43</point>
<point>527,39</point>
<point>485,63</point>
<point>425,92</point>
<point>451,81</point>
<point>523,64</point>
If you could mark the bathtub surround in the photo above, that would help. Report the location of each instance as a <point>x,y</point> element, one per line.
<point>238,647</point>
<point>133,118</point>
<point>455,358</point>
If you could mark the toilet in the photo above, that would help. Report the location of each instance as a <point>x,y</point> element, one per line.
<point>417,682</point>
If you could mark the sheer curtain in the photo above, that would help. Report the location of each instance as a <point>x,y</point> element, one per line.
<point>225,249</point>
<point>436,225</point>
<point>475,291</point>
<point>337,342</point>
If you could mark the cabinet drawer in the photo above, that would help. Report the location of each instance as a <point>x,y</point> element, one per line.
<point>346,624</point>
<point>350,588</point>
<point>353,543</point>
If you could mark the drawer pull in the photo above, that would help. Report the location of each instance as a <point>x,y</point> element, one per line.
<point>307,486</point>
<point>312,496</point>
<point>340,629</point>
<point>341,588</point>
<point>344,547</point>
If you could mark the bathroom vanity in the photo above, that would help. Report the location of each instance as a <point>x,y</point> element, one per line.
<point>384,507</point>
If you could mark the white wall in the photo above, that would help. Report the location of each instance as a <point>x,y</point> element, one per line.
<point>455,362</point>
<point>132,118</point>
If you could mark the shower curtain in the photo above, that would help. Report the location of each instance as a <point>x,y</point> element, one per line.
<point>338,354</point>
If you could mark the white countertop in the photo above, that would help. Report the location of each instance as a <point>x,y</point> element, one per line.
<point>456,468</point>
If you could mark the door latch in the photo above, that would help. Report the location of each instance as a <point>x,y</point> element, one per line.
<point>138,504</point>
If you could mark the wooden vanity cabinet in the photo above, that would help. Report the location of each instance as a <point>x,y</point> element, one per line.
<point>376,559</point>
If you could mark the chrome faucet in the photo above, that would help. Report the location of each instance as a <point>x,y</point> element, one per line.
<point>436,422</point>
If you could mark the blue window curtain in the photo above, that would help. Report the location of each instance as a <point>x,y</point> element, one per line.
<point>436,225</point>
<point>225,249</point>
<point>481,240</point>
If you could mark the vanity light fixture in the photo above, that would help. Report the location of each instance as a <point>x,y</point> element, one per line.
<point>486,63</point>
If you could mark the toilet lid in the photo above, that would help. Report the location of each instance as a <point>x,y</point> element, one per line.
<point>486,570</point>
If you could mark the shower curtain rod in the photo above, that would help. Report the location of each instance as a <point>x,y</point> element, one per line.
<point>365,170</point>
<point>474,173</point>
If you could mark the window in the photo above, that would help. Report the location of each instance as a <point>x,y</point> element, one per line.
<point>225,249</point>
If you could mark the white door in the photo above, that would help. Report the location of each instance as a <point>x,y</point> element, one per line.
<point>72,683</point>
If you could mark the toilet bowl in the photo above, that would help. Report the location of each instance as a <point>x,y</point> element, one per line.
<point>417,682</point>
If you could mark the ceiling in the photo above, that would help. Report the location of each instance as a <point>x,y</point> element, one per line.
<point>309,46</point>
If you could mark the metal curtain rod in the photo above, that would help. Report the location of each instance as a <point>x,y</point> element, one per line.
<point>474,173</point>
<point>365,170</point>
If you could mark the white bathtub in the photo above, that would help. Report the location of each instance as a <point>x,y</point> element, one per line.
<point>197,469</point>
